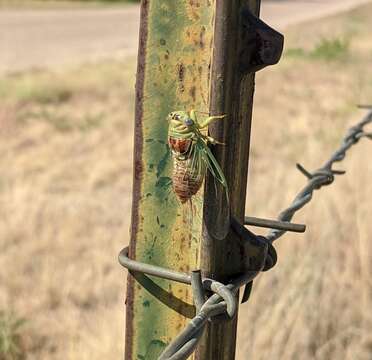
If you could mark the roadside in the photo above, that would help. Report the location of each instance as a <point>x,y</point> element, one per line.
<point>65,199</point>
<point>45,37</point>
<point>41,38</point>
<point>281,14</point>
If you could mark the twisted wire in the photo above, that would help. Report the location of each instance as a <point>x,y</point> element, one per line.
<point>325,175</point>
<point>223,300</point>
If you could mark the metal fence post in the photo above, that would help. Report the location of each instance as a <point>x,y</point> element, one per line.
<point>176,39</point>
<point>193,54</point>
<point>232,82</point>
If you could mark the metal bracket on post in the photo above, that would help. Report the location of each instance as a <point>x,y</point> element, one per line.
<point>258,249</point>
<point>274,224</point>
<point>261,45</point>
<point>193,55</point>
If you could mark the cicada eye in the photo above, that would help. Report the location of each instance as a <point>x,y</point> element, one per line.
<point>189,122</point>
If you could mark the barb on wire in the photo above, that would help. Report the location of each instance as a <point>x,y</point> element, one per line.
<point>324,175</point>
<point>223,301</point>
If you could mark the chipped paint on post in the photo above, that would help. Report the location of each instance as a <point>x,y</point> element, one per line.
<point>173,74</point>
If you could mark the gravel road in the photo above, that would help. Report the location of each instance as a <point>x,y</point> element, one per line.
<point>38,38</point>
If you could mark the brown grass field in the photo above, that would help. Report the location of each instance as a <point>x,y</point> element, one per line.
<point>65,199</point>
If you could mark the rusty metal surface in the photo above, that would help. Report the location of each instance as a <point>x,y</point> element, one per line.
<point>232,89</point>
<point>173,73</point>
<point>216,308</point>
<point>274,224</point>
<point>223,301</point>
<point>187,61</point>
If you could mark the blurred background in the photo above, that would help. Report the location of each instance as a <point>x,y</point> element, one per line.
<point>67,73</point>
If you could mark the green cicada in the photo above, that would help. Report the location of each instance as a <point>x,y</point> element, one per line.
<point>188,140</point>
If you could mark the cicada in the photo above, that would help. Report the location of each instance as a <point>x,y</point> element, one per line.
<point>188,140</point>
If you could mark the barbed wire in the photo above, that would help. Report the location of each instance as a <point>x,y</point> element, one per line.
<point>324,175</point>
<point>224,301</point>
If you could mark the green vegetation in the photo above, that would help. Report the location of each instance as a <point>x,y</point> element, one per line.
<point>295,52</point>
<point>52,88</point>
<point>61,122</point>
<point>331,49</point>
<point>24,90</point>
<point>11,337</point>
<point>325,49</point>
<point>76,101</point>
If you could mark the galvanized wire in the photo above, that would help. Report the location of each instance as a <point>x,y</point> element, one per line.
<point>324,175</point>
<point>223,301</point>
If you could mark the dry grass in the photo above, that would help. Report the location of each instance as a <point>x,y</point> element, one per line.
<point>314,304</point>
<point>65,198</point>
<point>65,186</point>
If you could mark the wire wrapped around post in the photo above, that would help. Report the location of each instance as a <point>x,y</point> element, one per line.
<point>223,298</point>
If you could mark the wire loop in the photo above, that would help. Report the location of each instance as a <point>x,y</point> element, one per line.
<point>224,299</point>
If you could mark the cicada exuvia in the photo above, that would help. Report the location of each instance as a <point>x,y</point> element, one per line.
<point>188,140</point>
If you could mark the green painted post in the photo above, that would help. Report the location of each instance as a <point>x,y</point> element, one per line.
<point>175,50</point>
<point>193,54</point>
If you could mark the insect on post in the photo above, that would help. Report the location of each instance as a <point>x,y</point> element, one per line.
<point>191,155</point>
<point>194,95</point>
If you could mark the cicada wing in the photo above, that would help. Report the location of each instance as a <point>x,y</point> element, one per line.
<point>212,164</point>
<point>218,231</point>
<point>193,177</point>
<point>196,164</point>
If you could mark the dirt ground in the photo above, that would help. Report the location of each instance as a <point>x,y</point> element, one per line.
<point>65,197</point>
<point>38,35</point>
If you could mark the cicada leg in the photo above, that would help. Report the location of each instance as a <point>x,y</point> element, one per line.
<point>213,140</point>
<point>204,123</point>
